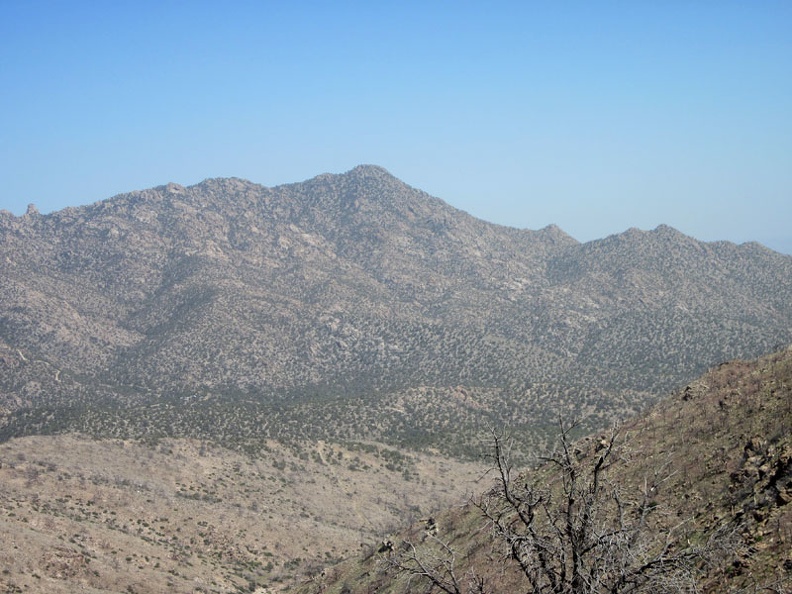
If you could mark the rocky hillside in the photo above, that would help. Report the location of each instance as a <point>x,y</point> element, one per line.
<point>713,463</point>
<point>81,514</point>
<point>354,307</point>
<point>85,515</point>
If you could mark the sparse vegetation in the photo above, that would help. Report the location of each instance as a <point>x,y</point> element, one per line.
<point>260,357</point>
<point>701,486</point>
<point>355,308</point>
<point>106,512</point>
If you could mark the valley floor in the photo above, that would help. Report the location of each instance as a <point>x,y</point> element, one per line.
<point>78,514</point>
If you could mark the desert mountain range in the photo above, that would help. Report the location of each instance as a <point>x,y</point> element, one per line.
<point>229,387</point>
<point>354,306</point>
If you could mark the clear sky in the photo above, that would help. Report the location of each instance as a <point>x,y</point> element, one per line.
<point>595,116</point>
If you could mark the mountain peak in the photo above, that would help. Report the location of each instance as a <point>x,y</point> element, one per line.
<point>555,233</point>
<point>369,171</point>
<point>371,174</point>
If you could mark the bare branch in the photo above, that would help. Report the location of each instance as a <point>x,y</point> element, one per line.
<point>569,528</point>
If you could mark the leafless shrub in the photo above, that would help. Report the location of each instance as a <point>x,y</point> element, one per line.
<point>437,565</point>
<point>570,528</point>
<point>575,530</point>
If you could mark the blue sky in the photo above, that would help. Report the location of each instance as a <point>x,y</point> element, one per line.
<point>595,116</point>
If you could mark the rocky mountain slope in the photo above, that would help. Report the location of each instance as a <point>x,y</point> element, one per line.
<point>354,307</point>
<point>713,462</point>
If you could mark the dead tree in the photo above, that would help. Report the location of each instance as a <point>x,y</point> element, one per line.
<point>437,566</point>
<point>571,529</point>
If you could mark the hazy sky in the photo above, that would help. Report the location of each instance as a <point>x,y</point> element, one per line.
<point>596,116</point>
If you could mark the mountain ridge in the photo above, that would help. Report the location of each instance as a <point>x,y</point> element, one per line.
<point>359,286</point>
<point>363,171</point>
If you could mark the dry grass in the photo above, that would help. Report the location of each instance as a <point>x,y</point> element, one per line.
<point>116,516</point>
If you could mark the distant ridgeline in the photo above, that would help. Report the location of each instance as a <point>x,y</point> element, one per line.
<point>354,307</point>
